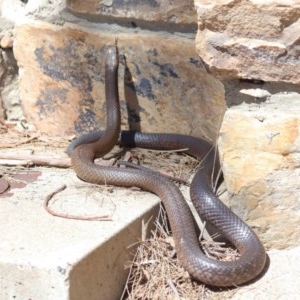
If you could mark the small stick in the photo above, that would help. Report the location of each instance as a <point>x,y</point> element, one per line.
<point>15,162</point>
<point>67,216</point>
<point>173,288</point>
<point>25,141</point>
<point>39,160</point>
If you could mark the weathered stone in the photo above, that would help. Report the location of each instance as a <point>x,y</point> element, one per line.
<point>137,12</point>
<point>7,40</point>
<point>1,109</point>
<point>256,93</point>
<point>260,154</point>
<point>8,68</point>
<point>9,88</point>
<point>15,11</point>
<point>1,79</point>
<point>10,9</point>
<point>262,43</point>
<point>2,68</point>
<point>234,90</point>
<point>62,81</point>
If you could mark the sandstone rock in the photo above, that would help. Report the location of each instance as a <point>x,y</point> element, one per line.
<point>1,109</point>
<point>11,108</point>
<point>234,90</point>
<point>138,12</point>
<point>15,10</point>
<point>256,93</point>
<point>8,83</point>
<point>259,44</point>
<point>7,40</point>
<point>62,81</point>
<point>2,70</point>
<point>260,153</point>
<point>10,9</point>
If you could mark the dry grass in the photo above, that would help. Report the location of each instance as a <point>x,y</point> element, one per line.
<point>156,273</point>
<point>171,163</point>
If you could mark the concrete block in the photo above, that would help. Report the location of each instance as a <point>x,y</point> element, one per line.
<point>46,257</point>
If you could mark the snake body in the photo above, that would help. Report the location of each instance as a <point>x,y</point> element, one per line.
<point>86,148</point>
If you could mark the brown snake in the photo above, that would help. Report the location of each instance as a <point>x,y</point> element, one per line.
<point>86,148</point>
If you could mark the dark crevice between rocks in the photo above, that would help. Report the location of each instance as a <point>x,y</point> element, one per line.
<point>234,86</point>
<point>132,23</point>
<point>131,99</point>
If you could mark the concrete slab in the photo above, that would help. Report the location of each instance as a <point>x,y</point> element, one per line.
<point>46,257</point>
<point>281,281</point>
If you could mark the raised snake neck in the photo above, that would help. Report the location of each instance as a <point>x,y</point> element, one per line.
<point>86,148</point>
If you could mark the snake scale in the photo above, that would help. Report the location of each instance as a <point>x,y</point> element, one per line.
<point>87,147</point>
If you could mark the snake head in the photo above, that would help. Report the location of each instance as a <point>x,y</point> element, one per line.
<point>112,60</point>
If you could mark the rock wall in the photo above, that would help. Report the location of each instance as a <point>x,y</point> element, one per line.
<point>250,39</point>
<point>260,151</point>
<point>163,86</point>
<point>253,47</point>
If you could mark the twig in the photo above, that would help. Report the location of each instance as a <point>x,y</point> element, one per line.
<point>15,162</point>
<point>202,231</point>
<point>38,160</point>
<point>68,216</point>
<point>173,288</point>
<point>25,141</point>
